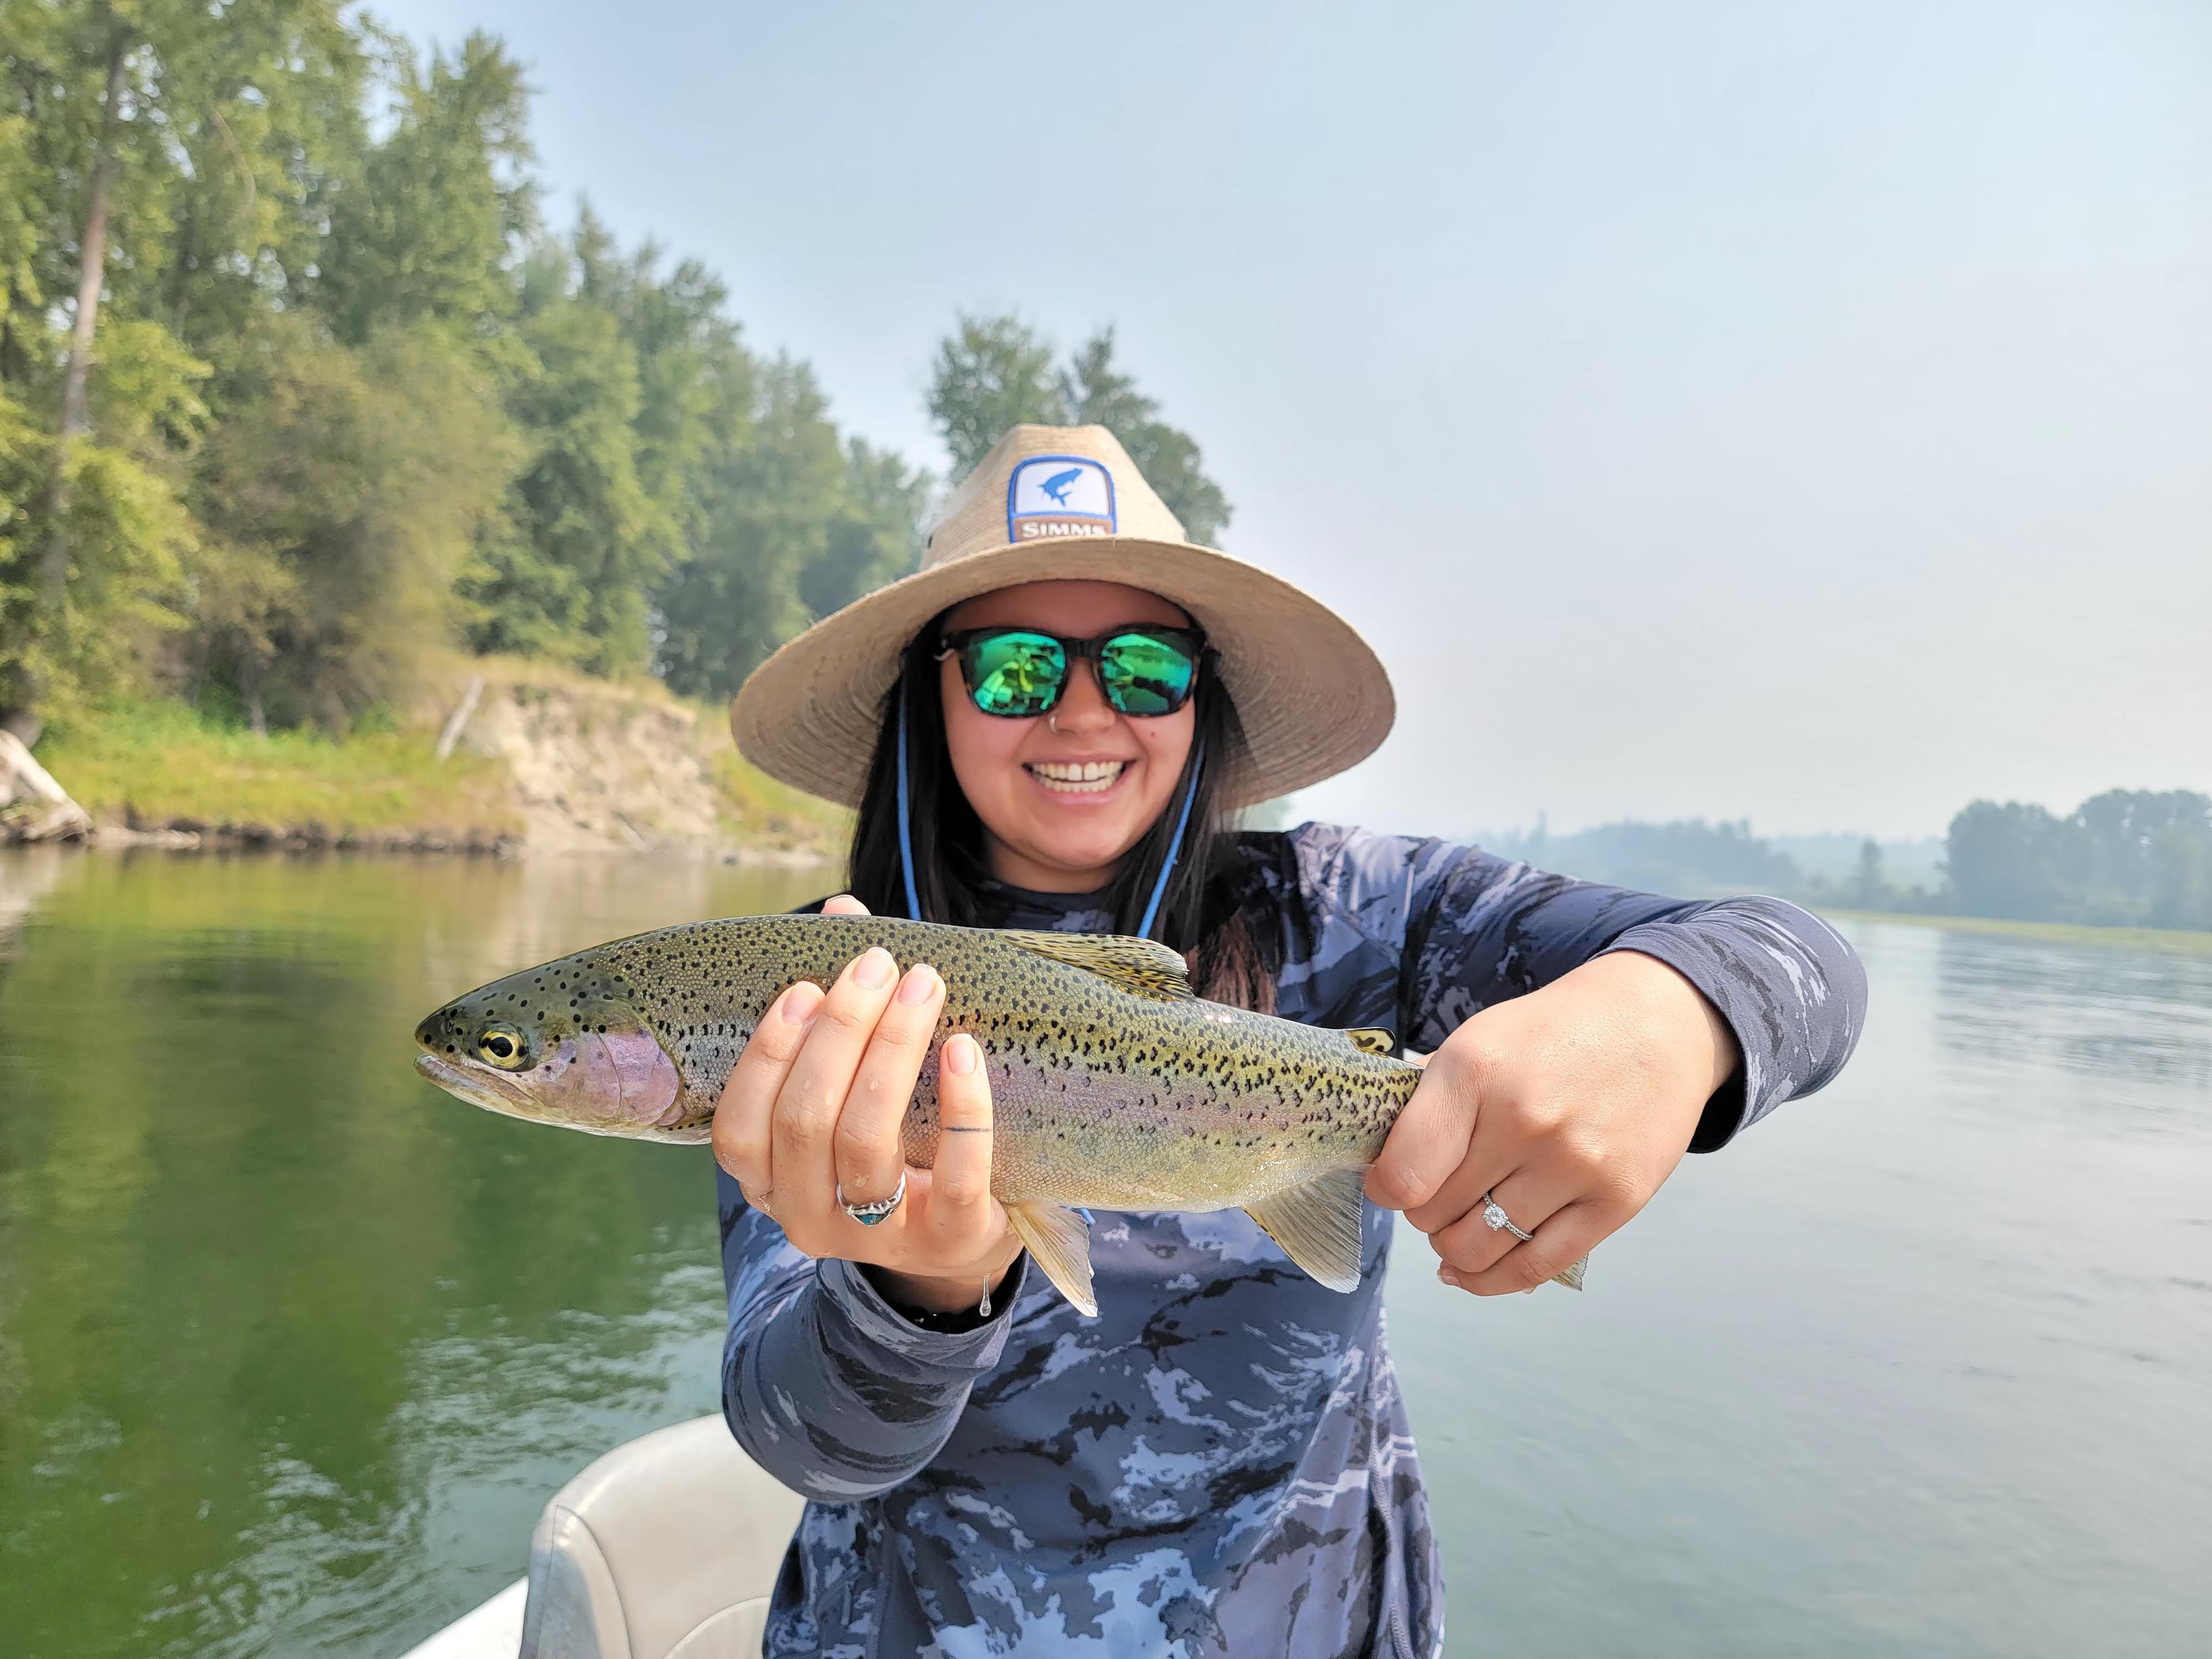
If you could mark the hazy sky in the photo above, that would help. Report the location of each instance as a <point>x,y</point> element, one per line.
<point>1798,412</point>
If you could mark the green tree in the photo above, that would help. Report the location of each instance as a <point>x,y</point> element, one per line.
<point>426,227</point>
<point>288,392</point>
<point>797,525</point>
<point>128,540</point>
<point>340,503</point>
<point>696,380</point>
<point>2181,871</point>
<point>80,82</point>
<point>566,569</point>
<point>991,373</point>
<point>1093,391</point>
<point>874,532</point>
<point>149,146</point>
<point>2014,861</point>
<point>2128,857</point>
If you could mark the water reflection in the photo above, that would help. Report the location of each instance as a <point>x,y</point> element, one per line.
<point>292,1346</point>
<point>26,876</point>
<point>2103,1016</point>
<point>1921,1365</point>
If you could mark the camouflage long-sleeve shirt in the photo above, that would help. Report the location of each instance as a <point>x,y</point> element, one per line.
<point>1220,1462</point>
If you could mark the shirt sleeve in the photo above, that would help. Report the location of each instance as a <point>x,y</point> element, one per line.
<point>1463,929</point>
<point>826,1385</point>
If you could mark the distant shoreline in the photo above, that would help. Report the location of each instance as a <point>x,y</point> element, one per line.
<point>2173,941</point>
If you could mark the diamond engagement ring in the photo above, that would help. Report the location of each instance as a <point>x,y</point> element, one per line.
<point>868,1214</point>
<point>1495,1218</point>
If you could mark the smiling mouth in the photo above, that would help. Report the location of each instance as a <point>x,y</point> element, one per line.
<point>1077,777</point>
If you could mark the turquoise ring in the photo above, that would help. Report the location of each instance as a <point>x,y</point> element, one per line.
<point>869,1214</point>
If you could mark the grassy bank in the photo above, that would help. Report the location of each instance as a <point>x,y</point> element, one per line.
<point>546,746</point>
<point>2172,940</point>
<point>159,762</point>
<point>759,809</point>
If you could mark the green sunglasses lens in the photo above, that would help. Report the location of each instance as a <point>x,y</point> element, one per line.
<point>1015,675</point>
<point>1146,674</point>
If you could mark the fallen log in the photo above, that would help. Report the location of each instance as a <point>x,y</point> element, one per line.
<point>32,807</point>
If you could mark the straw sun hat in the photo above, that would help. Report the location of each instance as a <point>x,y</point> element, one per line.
<point>1066,503</point>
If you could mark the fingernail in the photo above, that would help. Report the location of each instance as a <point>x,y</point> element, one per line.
<point>874,968</point>
<point>801,1002</point>
<point>916,987</point>
<point>1448,1276</point>
<point>960,1054</point>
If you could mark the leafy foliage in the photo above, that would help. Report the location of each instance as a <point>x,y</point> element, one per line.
<point>795,527</point>
<point>993,372</point>
<point>339,500</point>
<point>2127,857</point>
<point>349,399</point>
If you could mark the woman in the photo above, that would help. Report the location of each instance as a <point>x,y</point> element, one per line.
<point>1047,727</point>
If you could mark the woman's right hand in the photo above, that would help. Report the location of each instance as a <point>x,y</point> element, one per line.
<point>816,1100</point>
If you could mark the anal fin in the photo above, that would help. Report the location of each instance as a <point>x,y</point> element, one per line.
<point>1317,1225</point>
<point>1058,1242</point>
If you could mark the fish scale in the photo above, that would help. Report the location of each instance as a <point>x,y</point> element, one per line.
<point>1113,1087</point>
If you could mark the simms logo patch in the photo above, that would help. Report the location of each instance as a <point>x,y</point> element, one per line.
<point>1058,495</point>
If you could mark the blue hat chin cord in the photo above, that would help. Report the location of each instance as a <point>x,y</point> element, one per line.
<point>1174,845</point>
<point>906,816</point>
<point>906,832</point>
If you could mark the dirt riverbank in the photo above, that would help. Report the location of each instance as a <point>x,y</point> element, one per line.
<point>497,757</point>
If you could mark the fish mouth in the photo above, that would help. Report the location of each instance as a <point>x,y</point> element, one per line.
<point>492,1091</point>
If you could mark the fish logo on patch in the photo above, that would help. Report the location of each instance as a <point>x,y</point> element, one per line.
<point>1051,495</point>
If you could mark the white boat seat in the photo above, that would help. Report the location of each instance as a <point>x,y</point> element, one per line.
<point>665,1548</point>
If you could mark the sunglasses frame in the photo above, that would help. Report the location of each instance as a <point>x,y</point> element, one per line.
<point>955,646</point>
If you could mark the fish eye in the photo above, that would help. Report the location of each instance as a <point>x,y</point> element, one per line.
<point>503,1045</point>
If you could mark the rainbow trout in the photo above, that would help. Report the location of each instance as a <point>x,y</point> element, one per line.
<point>1113,1087</point>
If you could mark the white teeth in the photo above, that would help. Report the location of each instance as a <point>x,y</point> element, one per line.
<point>1077,777</point>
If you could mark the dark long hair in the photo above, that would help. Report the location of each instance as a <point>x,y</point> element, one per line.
<point>1202,912</point>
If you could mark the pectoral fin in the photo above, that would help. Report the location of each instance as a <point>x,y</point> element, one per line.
<point>1317,1225</point>
<point>1571,1275</point>
<point>1058,1242</point>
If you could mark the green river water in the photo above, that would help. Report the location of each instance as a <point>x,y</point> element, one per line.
<point>293,1347</point>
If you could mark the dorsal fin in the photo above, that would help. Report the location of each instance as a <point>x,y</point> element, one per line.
<point>1140,966</point>
<point>1373,1039</point>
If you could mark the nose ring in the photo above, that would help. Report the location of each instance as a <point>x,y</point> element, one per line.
<point>1052,724</point>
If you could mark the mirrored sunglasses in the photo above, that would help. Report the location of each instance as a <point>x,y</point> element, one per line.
<point>1018,673</point>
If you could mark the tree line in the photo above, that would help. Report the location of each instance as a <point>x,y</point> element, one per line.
<point>2128,857</point>
<point>295,380</point>
<point>2125,858</point>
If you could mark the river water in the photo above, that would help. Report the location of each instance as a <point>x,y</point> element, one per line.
<point>293,1347</point>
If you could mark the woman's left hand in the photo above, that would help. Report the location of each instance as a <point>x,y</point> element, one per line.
<point>1569,1106</point>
